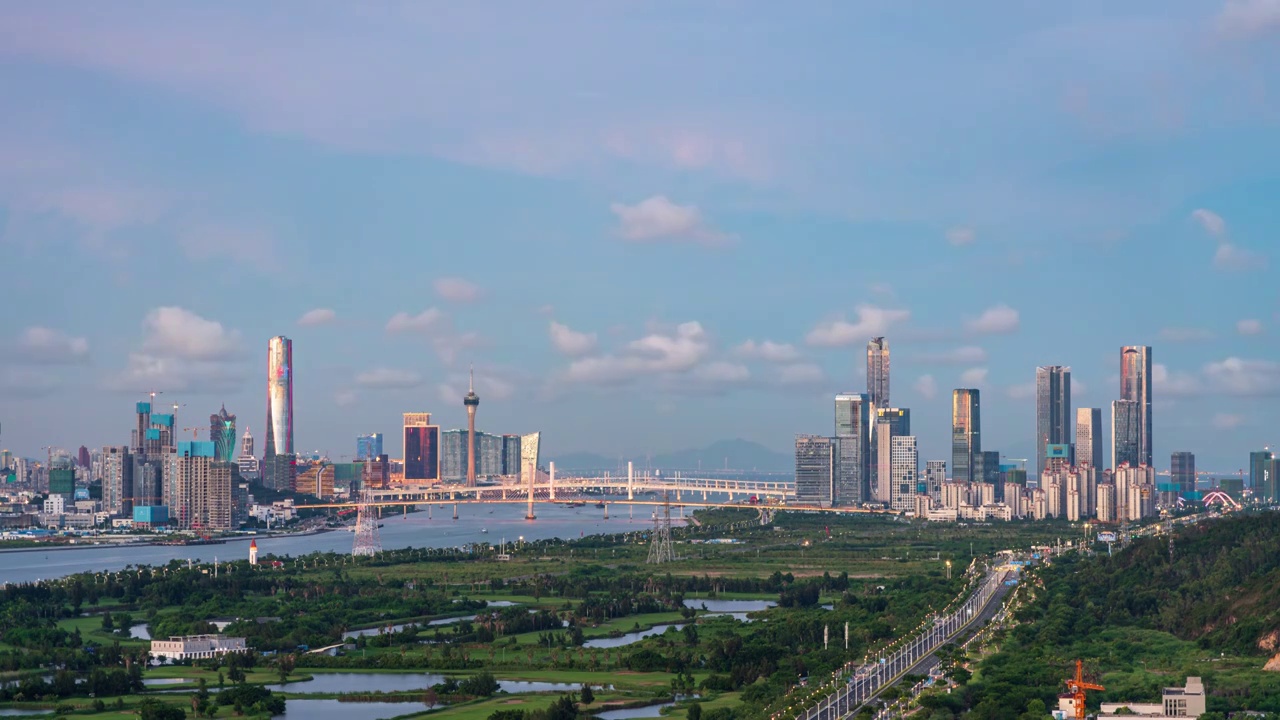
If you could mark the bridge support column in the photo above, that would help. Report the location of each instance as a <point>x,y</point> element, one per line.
<point>552,482</point>
<point>455,511</point>
<point>428,511</point>
<point>631,480</point>
<point>606,511</point>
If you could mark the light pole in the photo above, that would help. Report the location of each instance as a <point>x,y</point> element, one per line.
<point>948,569</point>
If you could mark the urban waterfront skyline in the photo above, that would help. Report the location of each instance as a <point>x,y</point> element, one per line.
<point>648,253</point>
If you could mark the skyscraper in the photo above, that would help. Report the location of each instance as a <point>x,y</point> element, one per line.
<point>814,470</point>
<point>1126,420</point>
<point>966,434</point>
<point>1053,410</point>
<point>1182,475</point>
<point>203,488</point>
<point>279,396</point>
<point>222,432</point>
<point>1089,437</point>
<point>1258,464</point>
<point>246,443</point>
<point>854,425</point>
<point>1135,385</point>
<point>421,448</point>
<point>878,371</point>
<point>368,446</point>
<point>471,402</point>
<point>890,423</point>
<point>82,458</point>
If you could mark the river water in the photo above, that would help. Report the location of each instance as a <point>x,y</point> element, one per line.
<point>414,530</point>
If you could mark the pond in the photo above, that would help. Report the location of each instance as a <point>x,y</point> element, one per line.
<point>631,637</point>
<point>18,712</point>
<point>140,632</point>
<point>729,606</point>
<point>337,710</point>
<point>403,682</point>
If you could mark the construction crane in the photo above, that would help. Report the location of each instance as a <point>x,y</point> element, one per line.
<point>195,432</point>
<point>1076,687</point>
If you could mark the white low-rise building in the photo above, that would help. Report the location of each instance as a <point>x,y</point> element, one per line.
<point>1184,702</point>
<point>194,647</point>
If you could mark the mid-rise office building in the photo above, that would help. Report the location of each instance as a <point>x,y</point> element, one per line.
<point>1053,410</point>
<point>878,371</point>
<point>890,423</point>
<point>511,455</point>
<point>1089,437</point>
<point>316,480</point>
<point>935,474</point>
<point>814,465</point>
<point>1126,440</point>
<point>422,456</point>
<point>966,435</point>
<point>1135,386</point>
<point>1260,478</point>
<point>370,446</point>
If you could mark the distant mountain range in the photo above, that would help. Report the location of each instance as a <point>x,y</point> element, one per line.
<point>730,454</point>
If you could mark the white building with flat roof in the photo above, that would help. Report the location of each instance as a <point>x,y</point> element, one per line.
<point>194,647</point>
<point>1176,702</point>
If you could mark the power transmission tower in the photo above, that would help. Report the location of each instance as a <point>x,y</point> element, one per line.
<point>367,541</point>
<point>660,550</point>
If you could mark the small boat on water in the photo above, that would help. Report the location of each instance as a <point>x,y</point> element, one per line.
<point>600,505</point>
<point>484,530</point>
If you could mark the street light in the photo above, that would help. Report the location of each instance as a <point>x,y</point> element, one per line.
<point>948,569</point>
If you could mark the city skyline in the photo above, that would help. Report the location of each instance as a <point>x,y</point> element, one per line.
<point>652,239</point>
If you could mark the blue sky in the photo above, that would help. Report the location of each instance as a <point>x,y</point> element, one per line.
<point>598,204</point>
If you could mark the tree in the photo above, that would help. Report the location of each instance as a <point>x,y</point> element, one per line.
<point>694,712</point>
<point>285,666</point>
<point>152,709</point>
<point>588,696</point>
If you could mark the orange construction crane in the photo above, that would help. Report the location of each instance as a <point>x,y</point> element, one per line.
<point>1076,686</point>
<point>195,432</point>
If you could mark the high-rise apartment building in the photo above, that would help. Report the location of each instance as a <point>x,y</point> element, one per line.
<point>1089,437</point>
<point>966,435</point>
<point>904,472</point>
<point>890,423</point>
<point>82,457</point>
<point>1135,386</point>
<point>279,396</point>
<point>1182,477</point>
<point>246,443</point>
<point>854,429</point>
<point>203,498</point>
<point>878,371</point>
<point>511,455</point>
<point>421,448</point>
<point>222,432</point>
<point>1053,410</point>
<point>1126,422</point>
<point>814,465</point>
<point>369,446</point>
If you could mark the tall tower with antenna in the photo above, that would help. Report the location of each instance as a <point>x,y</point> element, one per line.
<point>471,402</point>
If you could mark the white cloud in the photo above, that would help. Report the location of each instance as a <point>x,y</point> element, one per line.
<point>654,354</point>
<point>180,333</point>
<point>571,342</point>
<point>388,378</point>
<point>1234,257</point>
<point>720,371</point>
<point>1170,384</point>
<point>1246,378</point>
<point>1211,221</point>
<point>995,320</point>
<point>26,383</point>
<point>425,321</point>
<point>768,351</point>
<point>345,398</point>
<point>145,371</point>
<point>319,316</point>
<point>1249,327</point>
<point>968,355</point>
<point>1249,18</point>
<point>1227,421</point>
<point>872,322</point>
<point>44,345</point>
<point>457,290</point>
<point>927,387</point>
<point>659,219</point>
<point>801,374</point>
<point>960,236</point>
<point>1023,391</point>
<point>1078,387</point>
<point>1177,334</point>
<point>974,377</point>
